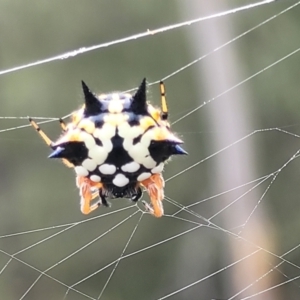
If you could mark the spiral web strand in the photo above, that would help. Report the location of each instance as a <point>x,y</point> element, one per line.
<point>187,214</point>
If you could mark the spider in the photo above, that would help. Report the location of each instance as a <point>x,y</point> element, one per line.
<point>117,144</point>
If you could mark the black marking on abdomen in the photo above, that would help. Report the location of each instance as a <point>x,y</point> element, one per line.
<point>118,155</point>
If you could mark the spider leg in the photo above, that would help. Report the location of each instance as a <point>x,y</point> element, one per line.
<point>85,186</point>
<point>136,197</point>
<point>155,188</point>
<point>41,132</point>
<point>62,124</point>
<point>47,139</point>
<point>103,198</point>
<point>164,107</point>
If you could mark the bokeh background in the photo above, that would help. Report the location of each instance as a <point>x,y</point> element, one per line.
<point>37,193</point>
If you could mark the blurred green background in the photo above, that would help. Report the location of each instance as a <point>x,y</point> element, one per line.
<point>38,193</point>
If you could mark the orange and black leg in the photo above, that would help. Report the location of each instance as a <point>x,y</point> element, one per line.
<point>155,188</point>
<point>48,140</point>
<point>86,186</point>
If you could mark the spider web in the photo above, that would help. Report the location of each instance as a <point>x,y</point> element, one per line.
<point>231,223</point>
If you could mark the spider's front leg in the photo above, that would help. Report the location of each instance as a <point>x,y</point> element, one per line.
<point>86,187</point>
<point>138,195</point>
<point>155,188</point>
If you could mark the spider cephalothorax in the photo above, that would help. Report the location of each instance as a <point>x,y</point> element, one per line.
<point>118,144</point>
